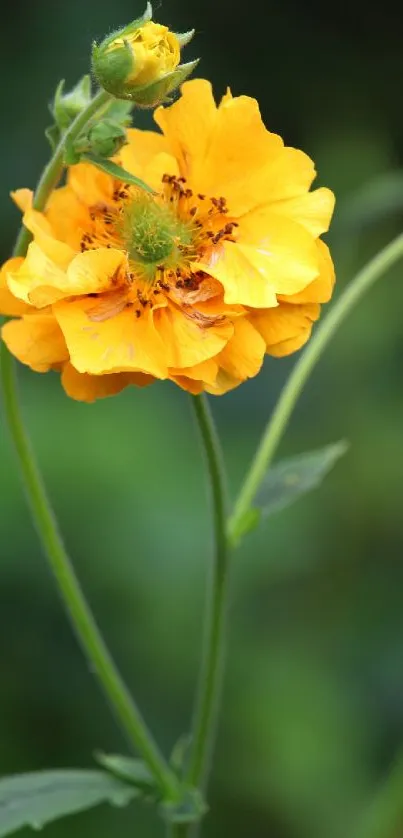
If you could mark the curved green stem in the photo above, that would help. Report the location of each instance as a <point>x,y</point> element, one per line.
<point>76,606</point>
<point>301,372</point>
<point>207,701</point>
<point>53,171</point>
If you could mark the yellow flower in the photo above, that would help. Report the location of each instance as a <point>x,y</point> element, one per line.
<point>195,284</point>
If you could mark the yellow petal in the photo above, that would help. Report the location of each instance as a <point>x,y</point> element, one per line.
<point>290,174</point>
<point>286,328</point>
<point>41,282</point>
<point>242,282</point>
<point>189,384</point>
<point>223,383</point>
<point>23,198</point>
<point>89,184</point>
<point>321,289</point>
<point>88,388</point>
<point>120,344</point>
<point>188,124</point>
<point>313,210</point>
<point>206,371</point>
<point>10,305</point>
<point>187,339</point>
<point>61,254</point>
<point>36,340</point>
<point>239,149</point>
<point>243,355</point>
<point>68,216</point>
<point>141,149</point>
<point>160,165</point>
<point>283,253</point>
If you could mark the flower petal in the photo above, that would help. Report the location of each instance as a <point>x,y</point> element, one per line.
<point>68,216</point>
<point>206,371</point>
<point>320,290</point>
<point>141,149</point>
<point>187,339</point>
<point>61,254</point>
<point>242,282</point>
<point>36,340</point>
<point>23,198</point>
<point>188,124</point>
<point>243,355</point>
<point>122,343</point>
<point>313,210</point>
<point>90,184</point>
<point>10,305</point>
<point>40,281</point>
<point>286,328</point>
<point>88,388</point>
<point>240,148</point>
<point>283,253</point>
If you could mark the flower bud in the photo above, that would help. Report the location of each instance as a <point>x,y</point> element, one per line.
<point>66,106</point>
<point>141,61</point>
<point>106,138</point>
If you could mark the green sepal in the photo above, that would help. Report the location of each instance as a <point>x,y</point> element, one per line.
<point>106,138</point>
<point>191,808</point>
<point>66,106</point>
<point>151,95</point>
<point>116,171</point>
<point>127,30</point>
<point>132,771</point>
<point>119,111</point>
<point>111,68</point>
<point>52,134</point>
<point>184,38</point>
<point>71,155</point>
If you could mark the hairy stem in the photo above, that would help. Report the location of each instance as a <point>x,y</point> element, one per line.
<point>70,591</point>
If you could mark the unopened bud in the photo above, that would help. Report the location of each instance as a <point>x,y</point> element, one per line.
<point>141,61</point>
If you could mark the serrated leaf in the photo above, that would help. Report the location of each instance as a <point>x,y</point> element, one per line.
<point>41,797</point>
<point>289,479</point>
<point>130,770</point>
<point>116,171</point>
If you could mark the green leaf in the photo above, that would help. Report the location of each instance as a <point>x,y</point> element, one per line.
<point>180,754</point>
<point>289,479</point>
<point>116,171</point>
<point>133,771</point>
<point>41,797</point>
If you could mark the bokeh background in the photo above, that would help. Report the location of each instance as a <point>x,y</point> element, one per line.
<point>313,714</point>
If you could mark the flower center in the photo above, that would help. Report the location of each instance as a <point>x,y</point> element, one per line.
<point>153,235</point>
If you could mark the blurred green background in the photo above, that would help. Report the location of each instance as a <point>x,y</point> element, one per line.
<point>313,714</point>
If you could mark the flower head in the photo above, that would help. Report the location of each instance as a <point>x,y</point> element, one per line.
<point>195,283</point>
<point>140,62</point>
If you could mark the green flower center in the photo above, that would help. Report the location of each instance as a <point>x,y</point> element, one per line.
<point>153,235</point>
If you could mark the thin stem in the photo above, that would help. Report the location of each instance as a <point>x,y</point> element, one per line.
<point>178,830</point>
<point>53,171</point>
<point>207,701</point>
<point>76,606</point>
<point>273,434</point>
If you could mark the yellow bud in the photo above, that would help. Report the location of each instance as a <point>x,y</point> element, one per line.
<point>140,57</point>
<point>155,52</point>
